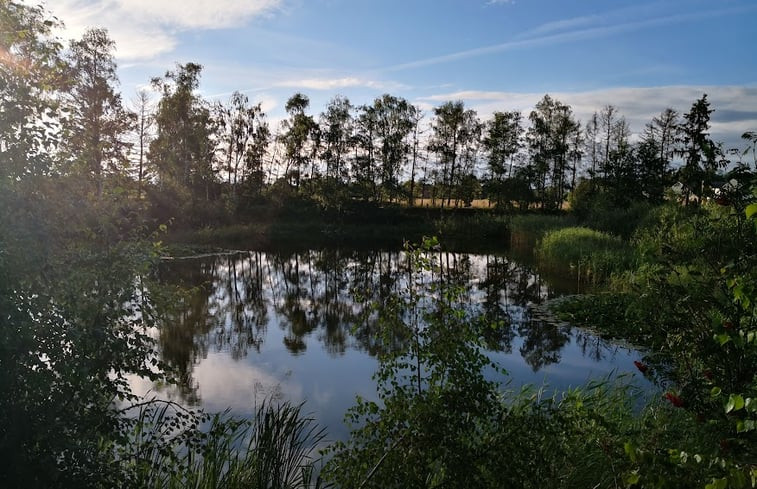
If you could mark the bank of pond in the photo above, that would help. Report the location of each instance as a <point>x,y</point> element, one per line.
<point>548,353</point>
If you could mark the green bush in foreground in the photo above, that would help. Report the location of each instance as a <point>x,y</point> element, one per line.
<point>692,302</point>
<point>441,421</point>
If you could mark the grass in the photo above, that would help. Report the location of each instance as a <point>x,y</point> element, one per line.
<point>274,450</point>
<point>591,254</point>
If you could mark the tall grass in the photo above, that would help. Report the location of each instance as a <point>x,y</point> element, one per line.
<point>591,254</point>
<point>171,448</point>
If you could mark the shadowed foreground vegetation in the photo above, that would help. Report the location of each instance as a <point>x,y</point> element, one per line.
<point>88,193</point>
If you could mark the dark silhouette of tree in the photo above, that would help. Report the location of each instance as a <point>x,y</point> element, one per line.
<point>244,136</point>
<point>655,154</point>
<point>337,129</point>
<point>394,123</point>
<point>416,117</point>
<point>364,171</point>
<point>96,123</point>
<point>455,132</point>
<point>183,149</point>
<point>502,142</point>
<point>144,112</point>
<point>299,139</point>
<point>549,141</point>
<point>31,77</point>
<point>701,156</point>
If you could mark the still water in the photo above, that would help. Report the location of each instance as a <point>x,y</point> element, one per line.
<point>300,326</point>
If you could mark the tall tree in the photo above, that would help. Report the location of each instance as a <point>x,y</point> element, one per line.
<point>145,121</point>
<point>591,143</point>
<point>31,76</point>
<point>183,149</point>
<point>364,168</point>
<point>455,130</point>
<point>394,123</point>
<point>416,117</point>
<point>655,153</point>
<point>609,134</point>
<point>502,142</point>
<point>298,134</point>
<point>549,140</point>
<point>96,126</point>
<point>244,137</point>
<point>336,128</point>
<point>701,156</point>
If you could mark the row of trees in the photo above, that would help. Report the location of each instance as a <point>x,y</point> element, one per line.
<point>62,114</point>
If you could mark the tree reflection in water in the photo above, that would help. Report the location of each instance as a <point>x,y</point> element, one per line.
<point>335,298</point>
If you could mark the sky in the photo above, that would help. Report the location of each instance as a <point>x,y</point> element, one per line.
<point>641,56</point>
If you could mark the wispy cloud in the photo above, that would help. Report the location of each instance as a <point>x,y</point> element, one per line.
<point>533,39</point>
<point>337,83</point>
<point>562,25</point>
<point>144,29</point>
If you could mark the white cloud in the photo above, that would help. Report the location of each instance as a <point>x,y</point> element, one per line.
<point>144,29</point>
<point>337,83</point>
<point>198,14</point>
<point>735,106</point>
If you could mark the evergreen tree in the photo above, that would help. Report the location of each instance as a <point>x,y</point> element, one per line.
<point>96,124</point>
<point>701,156</point>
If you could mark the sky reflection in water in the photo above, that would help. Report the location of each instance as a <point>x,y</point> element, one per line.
<point>291,326</point>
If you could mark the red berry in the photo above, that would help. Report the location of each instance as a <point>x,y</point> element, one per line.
<point>674,399</point>
<point>642,368</point>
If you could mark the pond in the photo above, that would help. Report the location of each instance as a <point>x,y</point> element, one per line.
<point>298,326</point>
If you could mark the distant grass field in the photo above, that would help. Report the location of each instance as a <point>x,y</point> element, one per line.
<point>477,203</point>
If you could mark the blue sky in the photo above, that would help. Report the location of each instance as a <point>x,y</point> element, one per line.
<point>494,54</point>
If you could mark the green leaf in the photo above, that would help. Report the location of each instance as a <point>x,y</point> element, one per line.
<point>715,392</point>
<point>723,338</point>
<point>751,210</point>
<point>750,405</point>
<point>718,484</point>
<point>630,449</point>
<point>632,478</point>
<point>735,403</point>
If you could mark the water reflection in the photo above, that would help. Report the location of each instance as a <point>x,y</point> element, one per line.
<point>269,309</point>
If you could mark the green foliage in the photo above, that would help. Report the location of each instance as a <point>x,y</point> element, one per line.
<point>31,75</point>
<point>439,421</point>
<point>691,301</point>
<point>169,448</point>
<point>597,208</point>
<point>593,254</point>
<point>434,398</point>
<point>94,130</point>
<point>183,148</point>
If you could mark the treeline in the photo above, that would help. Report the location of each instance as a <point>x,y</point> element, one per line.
<point>180,155</point>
